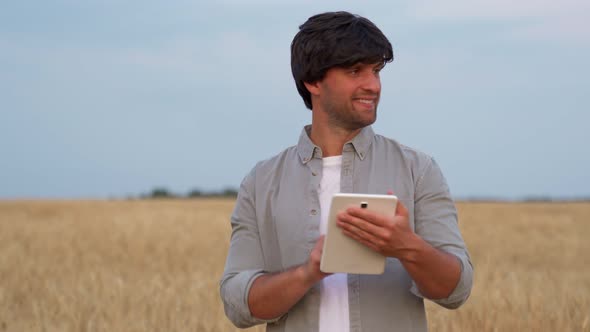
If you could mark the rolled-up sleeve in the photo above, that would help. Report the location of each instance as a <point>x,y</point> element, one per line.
<point>435,218</point>
<point>244,261</point>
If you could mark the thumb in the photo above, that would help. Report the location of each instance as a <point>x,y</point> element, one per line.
<point>319,245</point>
<point>401,209</point>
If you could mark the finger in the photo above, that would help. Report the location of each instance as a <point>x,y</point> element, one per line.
<point>401,209</point>
<point>315,257</point>
<point>320,242</point>
<point>361,240</point>
<point>319,245</point>
<point>353,223</point>
<point>378,236</point>
<point>367,215</point>
<point>390,192</point>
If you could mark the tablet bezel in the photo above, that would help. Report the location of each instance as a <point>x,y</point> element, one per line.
<point>342,254</point>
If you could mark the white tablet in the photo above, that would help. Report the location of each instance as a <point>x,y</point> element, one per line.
<point>342,254</point>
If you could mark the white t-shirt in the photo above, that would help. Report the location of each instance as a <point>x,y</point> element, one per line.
<point>334,289</point>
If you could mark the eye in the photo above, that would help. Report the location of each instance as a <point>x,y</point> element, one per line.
<point>354,71</point>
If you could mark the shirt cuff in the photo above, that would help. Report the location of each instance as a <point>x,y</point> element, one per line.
<point>461,292</point>
<point>235,292</point>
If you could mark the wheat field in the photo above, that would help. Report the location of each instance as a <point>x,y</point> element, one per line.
<point>151,265</point>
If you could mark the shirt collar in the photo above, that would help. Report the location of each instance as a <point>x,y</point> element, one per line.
<point>360,144</point>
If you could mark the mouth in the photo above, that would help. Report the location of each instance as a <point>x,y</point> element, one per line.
<point>366,102</point>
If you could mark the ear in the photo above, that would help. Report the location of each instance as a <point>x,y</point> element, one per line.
<point>313,87</point>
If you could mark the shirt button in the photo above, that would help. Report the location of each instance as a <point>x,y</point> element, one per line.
<point>314,212</point>
<point>314,173</point>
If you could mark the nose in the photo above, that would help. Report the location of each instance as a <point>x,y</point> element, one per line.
<point>372,83</point>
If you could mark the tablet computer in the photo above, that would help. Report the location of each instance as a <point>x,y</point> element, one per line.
<point>342,254</point>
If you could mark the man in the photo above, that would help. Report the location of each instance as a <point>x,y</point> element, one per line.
<point>272,271</point>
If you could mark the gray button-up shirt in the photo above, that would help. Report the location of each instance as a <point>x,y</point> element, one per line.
<point>275,224</point>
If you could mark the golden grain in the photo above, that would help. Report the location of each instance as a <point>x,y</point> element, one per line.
<point>155,266</point>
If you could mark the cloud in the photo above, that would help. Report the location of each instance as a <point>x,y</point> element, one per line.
<point>498,9</point>
<point>564,21</point>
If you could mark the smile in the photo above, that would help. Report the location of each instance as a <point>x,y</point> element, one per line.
<point>365,101</point>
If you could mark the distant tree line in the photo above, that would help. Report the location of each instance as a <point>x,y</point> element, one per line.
<point>230,192</point>
<point>524,199</point>
<point>161,192</point>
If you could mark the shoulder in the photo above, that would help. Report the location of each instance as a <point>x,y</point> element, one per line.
<point>410,157</point>
<point>276,161</point>
<point>425,171</point>
<point>267,168</point>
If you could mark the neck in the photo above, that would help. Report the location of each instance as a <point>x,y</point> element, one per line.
<point>331,139</point>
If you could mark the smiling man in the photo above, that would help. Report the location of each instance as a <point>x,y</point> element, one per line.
<point>272,270</point>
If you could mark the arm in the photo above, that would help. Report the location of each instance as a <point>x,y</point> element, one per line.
<point>435,218</point>
<point>272,295</point>
<point>249,293</point>
<point>245,258</point>
<point>434,255</point>
<point>435,272</point>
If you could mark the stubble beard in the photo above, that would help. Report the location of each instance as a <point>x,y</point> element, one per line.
<point>346,117</point>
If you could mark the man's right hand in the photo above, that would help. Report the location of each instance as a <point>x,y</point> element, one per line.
<point>272,295</point>
<point>311,268</point>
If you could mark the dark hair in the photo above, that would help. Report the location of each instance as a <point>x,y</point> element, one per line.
<point>335,39</point>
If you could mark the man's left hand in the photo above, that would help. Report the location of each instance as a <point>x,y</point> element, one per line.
<point>389,235</point>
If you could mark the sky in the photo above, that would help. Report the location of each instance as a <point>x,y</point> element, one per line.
<point>107,99</point>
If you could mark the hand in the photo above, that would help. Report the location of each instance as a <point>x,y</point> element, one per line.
<point>274,294</point>
<point>311,269</point>
<point>388,235</point>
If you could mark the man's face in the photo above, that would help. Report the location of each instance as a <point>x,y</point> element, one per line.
<point>349,96</point>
